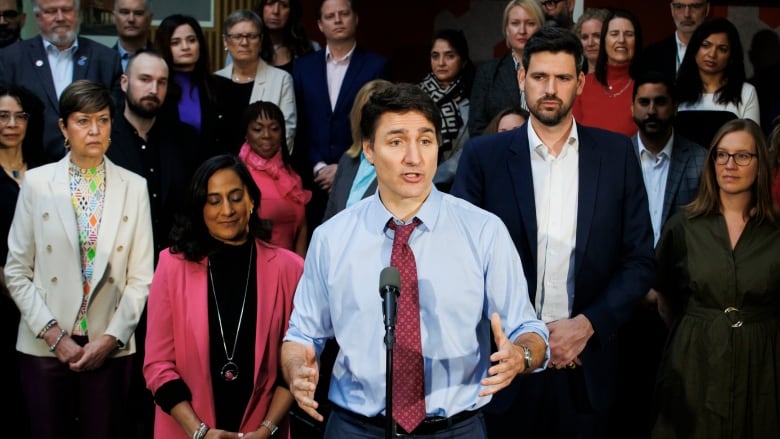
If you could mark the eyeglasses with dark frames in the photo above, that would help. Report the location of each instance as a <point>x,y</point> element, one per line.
<point>741,158</point>
<point>549,3</point>
<point>236,38</point>
<point>10,14</point>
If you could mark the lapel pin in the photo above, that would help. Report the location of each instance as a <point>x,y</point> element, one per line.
<point>82,60</point>
<point>38,63</point>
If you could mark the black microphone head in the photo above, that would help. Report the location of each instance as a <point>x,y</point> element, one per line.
<point>390,277</point>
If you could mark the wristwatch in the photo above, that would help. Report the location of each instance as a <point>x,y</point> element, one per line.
<point>271,426</point>
<point>529,357</point>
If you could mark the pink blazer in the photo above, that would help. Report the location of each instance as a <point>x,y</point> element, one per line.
<point>177,338</point>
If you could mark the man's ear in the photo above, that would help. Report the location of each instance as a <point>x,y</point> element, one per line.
<point>368,151</point>
<point>521,79</point>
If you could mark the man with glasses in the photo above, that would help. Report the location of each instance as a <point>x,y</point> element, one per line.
<point>133,20</point>
<point>11,22</point>
<point>666,55</point>
<point>49,62</point>
<point>558,13</point>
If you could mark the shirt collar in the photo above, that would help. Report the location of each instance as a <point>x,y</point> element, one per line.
<point>680,45</point>
<point>123,54</point>
<point>534,142</point>
<point>428,213</point>
<point>48,46</point>
<point>329,57</point>
<point>666,152</point>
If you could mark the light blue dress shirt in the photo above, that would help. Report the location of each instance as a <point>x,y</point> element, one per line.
<point>366,174</point>
<point>61,64</point>
<point>467,269</point>
<point>655,172</point>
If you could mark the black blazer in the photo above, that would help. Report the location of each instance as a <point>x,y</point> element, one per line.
<point>342,184</point>
<point>25,63</point>
<point>495,88</point>
<point>613,259</point>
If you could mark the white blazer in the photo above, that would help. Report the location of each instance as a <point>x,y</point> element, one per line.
<point>272,85</point>
<point>43,269</point>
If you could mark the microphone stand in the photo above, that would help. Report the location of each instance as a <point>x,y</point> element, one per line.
<point>389,297</point>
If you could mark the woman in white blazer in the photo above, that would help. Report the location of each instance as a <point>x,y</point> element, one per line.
<point>249,79</point>
<point>79,267</point>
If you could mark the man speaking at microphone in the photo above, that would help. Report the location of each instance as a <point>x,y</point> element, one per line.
<point>462,284</point>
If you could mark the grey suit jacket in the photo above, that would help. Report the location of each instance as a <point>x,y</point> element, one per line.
<point>25,63</point>
<point>685,168</point>
<point>342,185</point>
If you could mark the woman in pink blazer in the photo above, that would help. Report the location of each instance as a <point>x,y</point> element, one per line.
<point>218,308</point>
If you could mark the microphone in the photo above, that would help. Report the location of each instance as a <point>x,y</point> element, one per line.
<point>389,289</point>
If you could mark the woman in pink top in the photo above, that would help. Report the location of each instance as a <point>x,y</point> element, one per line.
<point>268,160</point>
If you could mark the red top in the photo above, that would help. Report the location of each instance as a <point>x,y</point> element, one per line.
<point>600,107</point>
<point>282,199</point>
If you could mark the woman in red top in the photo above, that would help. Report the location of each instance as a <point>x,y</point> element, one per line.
<point>605,101</point>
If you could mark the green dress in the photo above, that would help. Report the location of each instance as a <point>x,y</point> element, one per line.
<point>718,377</point>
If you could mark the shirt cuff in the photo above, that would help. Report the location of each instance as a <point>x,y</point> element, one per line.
<point>318,167</point>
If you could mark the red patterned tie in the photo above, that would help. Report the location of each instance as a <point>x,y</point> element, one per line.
<point>408,381</point>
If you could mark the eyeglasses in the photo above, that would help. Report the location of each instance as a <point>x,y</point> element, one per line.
<point>20,117</point>
<point>679,7</point>
<point>9,14</point>
<point>550,3</point>
<point>236,38</point>
<point>740,158</point>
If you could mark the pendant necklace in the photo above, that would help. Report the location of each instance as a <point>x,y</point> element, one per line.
<point>229,371</point>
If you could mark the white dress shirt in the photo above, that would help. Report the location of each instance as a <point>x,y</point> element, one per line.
<point>336,69</point>
<point>556,185</point>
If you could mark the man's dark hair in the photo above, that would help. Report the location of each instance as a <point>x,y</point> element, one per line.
<point>19,5</point>
<point>398,98</point>
<point>653,77</point>
<point>555,40</point>
<point>352,5</point>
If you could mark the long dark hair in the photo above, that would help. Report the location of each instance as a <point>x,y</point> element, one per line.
<point>707,199</point>
<point>201,74</point>
<point>189,234</point>
<point>32,145</point>
<point>268,110</point>
<point>689,84</point>
<point>294,33</point>
<point>457,39</point>
<point>601,61</point>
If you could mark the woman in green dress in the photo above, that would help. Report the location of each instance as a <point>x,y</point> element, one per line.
<point>719,281</point>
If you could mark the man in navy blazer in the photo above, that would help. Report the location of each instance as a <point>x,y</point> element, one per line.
<point>326,82</point>
<point>574,202</point>
<point>50,61</point>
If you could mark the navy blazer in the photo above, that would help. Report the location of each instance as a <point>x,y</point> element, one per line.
<point>682,182</point>
<point>613,257</point>
<point>324,132</point>
<point>25,63</point>
<point>495,88</point>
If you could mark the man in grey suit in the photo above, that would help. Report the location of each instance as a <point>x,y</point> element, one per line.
<point>671,169</point>
<point>50,61</point>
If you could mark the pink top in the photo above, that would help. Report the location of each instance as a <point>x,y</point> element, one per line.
<point>600,107</point>
<point>283,198</point>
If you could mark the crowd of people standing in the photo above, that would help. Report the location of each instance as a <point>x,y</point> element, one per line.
<point>585,229</point>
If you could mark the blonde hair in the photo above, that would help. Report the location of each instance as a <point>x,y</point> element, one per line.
<point>361,98</point>
<point>531,6</point>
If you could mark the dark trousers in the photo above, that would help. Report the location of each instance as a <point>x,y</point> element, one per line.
<point>550,404</point>
<point>343,425</point>
<point>65,404</point>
